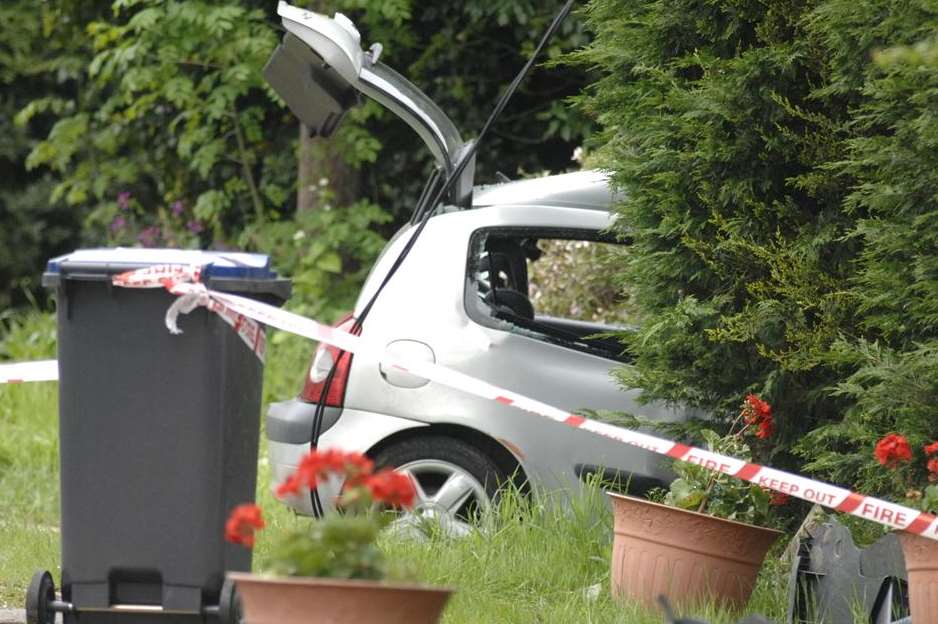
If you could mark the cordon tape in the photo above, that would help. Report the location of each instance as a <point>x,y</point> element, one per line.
<point>242,313</point>
<point>44,370</point>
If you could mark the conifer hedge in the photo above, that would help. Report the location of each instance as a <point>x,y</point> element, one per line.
<point>778,164</point>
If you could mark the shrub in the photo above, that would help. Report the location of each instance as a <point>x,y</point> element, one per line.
<point>779,164</point>
<point>716,131</point>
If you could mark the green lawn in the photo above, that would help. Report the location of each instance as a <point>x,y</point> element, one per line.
<point>536,561</point>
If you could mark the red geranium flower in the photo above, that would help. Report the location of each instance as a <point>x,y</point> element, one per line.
<point>289,487</point>
<point>758,414</point>
<point>756,408</point>
<point>766,428</point>
<point>242,523</point>
<point>392,488</point>
<point>931,449</point>
<point>892,450</point>
<point>779,498</point>
<point>932,466</point>
<point>317,465</point>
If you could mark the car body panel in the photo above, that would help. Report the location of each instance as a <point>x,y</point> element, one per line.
<point>424,307</point>
<point>356,431</point>
<point>425,304</point>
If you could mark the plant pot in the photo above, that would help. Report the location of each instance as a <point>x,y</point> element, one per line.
<point>295,600</point>
<point>686,556</point>
<point>921,564</point>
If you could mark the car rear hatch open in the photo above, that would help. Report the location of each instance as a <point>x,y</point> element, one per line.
<point>320,70</point>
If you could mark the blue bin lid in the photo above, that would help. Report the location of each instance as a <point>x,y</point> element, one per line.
<point>218,264</point>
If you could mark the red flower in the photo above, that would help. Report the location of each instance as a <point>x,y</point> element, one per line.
<point>289,487</point>
<point>766,428</point>
<point>893,450</point>
<point>932,466</point>
<point>242,523</point>
<point>757,413</point>
<point>779,498</point>
<point>931,449</point>
<point>392,488</point>
<point>756,408</point>
<point>317,465</point>
<point>357,468</point>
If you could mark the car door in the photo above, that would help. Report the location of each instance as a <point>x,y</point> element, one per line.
<point>540,298</point>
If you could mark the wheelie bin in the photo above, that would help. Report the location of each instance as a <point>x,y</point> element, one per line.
<point>158,439</point>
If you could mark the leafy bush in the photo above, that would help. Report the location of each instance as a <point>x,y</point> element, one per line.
<point>779,164</point>
<point>715,131</point>
<point>165,101</point>
<point>27,336</point>
<point>890,366</point>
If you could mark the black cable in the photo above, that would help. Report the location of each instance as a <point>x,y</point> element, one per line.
<point>424,210</point>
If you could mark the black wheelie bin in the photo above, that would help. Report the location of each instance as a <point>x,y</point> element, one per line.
<point>158,440</point>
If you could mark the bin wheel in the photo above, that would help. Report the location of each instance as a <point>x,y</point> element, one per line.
<point>39,598</point>
<point>229,604</point>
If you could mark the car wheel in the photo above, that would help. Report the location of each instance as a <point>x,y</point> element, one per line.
<point>454,480</point>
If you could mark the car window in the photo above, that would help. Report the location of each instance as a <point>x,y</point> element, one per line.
<point>571,280</point>
<point>549,285</point>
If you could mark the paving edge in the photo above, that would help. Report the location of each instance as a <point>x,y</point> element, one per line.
<point>12,616</point>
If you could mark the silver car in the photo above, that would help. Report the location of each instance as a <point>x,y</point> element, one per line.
<point>484,291</point>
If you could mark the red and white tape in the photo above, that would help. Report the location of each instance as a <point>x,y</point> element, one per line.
<point>23,372</point>
<point>177,279</point>
<point>242,313</point>
<point>833,497</point>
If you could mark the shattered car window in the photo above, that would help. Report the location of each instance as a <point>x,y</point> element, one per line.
<point>549,286</point>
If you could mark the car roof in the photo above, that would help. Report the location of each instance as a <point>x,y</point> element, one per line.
<point>588,190</point>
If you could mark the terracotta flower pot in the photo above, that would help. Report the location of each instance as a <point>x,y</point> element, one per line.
<point>684,555</point>
<point>296,600</point>
<point>921,564</point>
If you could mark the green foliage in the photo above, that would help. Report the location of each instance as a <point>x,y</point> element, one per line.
<point>176,110</point>
<point>890,391</point>
<point>714,133</point>
<point>27,336</point>
<point>718,494</point>
<point>328,252</point>
<point>889,365</point>
<point>336,546</point>
<point>40,66</point>
<point>779,167</point>
<point>571,280</point>
<point>463,54</point>
<point>165,100</point>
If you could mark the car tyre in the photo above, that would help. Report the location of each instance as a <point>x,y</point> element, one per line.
<point>455,480</point>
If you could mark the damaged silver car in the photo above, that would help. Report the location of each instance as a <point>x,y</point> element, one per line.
<point>478,293</point>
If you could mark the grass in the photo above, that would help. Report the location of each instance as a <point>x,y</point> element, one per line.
<point>541,559</point>
<point>29,462</point>
<point>536,561</point>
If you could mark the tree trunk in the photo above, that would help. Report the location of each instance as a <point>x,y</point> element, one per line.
<point>315,163</point>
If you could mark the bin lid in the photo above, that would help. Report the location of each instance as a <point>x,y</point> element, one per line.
<point>215,264</point>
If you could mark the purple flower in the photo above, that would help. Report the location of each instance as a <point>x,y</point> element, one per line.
<point>149,235</point>
<point>178,208</point>
<point>194,226</point>
<point>123,200</point>
<point>118,224</point>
